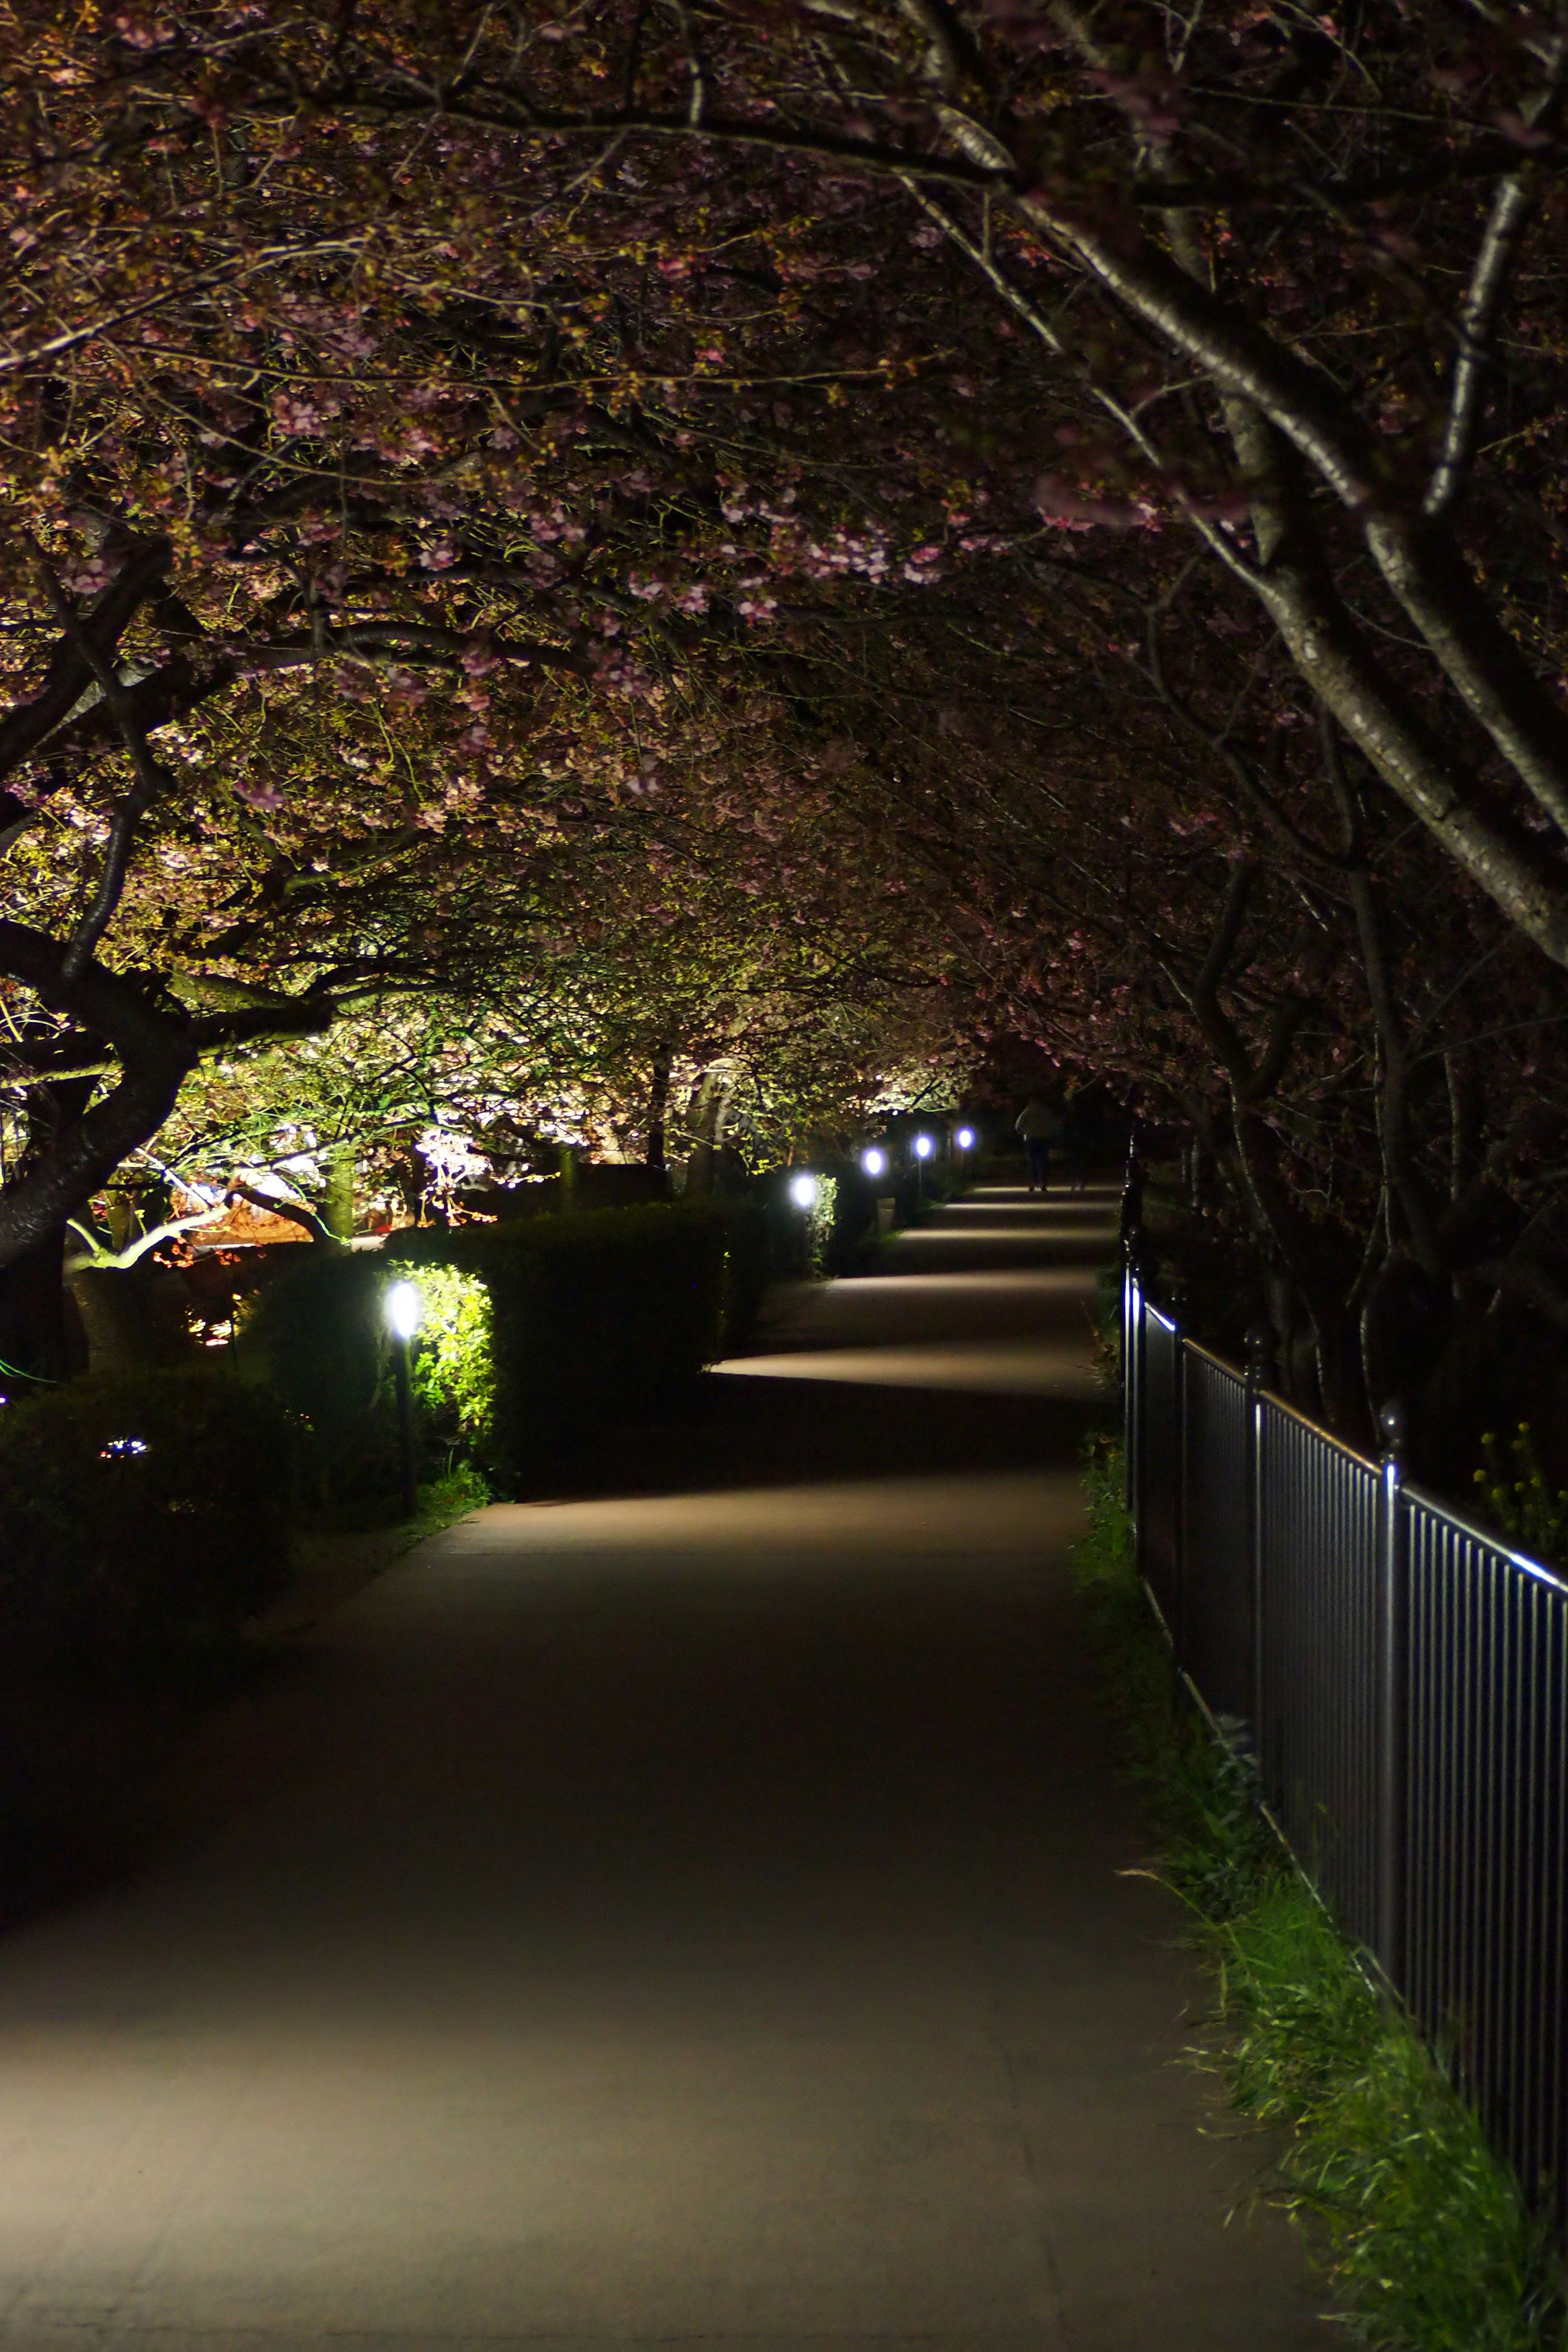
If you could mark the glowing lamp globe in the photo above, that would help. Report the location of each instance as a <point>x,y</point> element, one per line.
<point>802,1191</point>
<point>404,1309</point>
<point>964,1139</point>
<point>874,1161</point>
<point>924,1147</point>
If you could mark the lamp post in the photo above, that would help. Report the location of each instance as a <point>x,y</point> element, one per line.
<point>923,1147</point>
<point>404,1309</point>
<point>803,1192</point>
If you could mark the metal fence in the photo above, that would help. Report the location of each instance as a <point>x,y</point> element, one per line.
<point>1401,1680</point>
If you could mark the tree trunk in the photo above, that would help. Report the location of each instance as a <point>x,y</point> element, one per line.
<point>341,1169</point>
<point>129,1318</point>
<point>658,1108</point>
<point>35,1336</point>
<point>705,1120</point>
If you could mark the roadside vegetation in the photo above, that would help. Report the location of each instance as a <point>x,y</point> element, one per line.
<point>1420,2231</point>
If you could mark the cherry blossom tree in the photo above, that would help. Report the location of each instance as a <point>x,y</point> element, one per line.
<point>1287,264</point>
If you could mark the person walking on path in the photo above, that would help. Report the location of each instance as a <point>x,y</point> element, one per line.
<point>1039,1127</point>
<point>1077,1141</point>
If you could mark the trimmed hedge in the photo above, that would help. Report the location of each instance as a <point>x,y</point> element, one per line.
<point>852,1228</point>
<point>593,1315</point>
<point>748,1233</point>
<point>143,1516</point>
<point>317,1338</point>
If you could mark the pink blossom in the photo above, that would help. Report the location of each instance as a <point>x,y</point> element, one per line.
<point>258,792</point>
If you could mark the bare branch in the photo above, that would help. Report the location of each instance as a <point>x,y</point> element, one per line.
<point>150,779</point>
<point>1513,208</point>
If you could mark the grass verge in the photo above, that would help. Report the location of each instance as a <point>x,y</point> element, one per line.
<point>1422,2232</point>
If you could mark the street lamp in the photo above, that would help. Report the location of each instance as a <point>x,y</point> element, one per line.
<point>803,1192</point>
<point>964,1139</point>
<point>875,1162</point>
<point>924,1147</point>
<point>404,1311</point>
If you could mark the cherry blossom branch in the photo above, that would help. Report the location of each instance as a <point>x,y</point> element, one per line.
<point>232,272</point>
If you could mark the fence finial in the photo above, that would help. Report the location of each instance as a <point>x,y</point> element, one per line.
<point>1394,1428</point>
<point>1260,1354</point>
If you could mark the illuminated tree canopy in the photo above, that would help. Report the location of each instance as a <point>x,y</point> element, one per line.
<point>601,536</point>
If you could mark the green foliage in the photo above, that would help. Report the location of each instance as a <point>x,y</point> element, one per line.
<point>594,1315</point>
<point>821,1219</point>
<point>1105,1329</point>
<point>317,1338</point>
<point>454,1360</point>
<point>1516,1498</point>
<point>852,1229</point>
<point>1423,2229</point>
<point>1420,2228</point>
<point>443,1501</point>
<point>143,1516</point>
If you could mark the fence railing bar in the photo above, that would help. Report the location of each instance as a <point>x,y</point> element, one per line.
<point>1450,1517</point>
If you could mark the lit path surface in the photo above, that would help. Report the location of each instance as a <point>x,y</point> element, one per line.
<point>689,1917</point>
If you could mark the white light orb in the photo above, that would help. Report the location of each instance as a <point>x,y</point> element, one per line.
<point>964,1139</point>
<point>404,1309</point>
<point>803,1192</point>
<point>874,1161</point>
<point>924,1147</point>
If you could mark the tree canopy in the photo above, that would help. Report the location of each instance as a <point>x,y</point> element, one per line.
<point>597,537</point>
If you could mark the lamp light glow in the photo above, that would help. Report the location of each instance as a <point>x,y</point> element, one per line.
<point>874,1161</point>
<point>404,1309</point>
<point>803,1192</point>
<point>924,1147</point>
<point>964,1139</point>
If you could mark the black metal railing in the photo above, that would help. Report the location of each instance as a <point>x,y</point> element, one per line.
<point>1401,1678</point>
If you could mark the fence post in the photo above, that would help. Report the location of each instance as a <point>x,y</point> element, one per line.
<point>1136,1353</point>
<point>1181,1611</point>
<point>1259,1363</point>
<point>1391,1646</point>
<point>1131,1329</point>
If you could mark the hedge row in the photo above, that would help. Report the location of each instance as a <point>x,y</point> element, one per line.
<point>534,1331</point>
<point>593,1315</point>
<point>143,1516</point>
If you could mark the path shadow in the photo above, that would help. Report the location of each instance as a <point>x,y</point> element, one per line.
<point>785,1433</point>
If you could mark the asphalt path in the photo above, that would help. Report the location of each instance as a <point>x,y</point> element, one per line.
<point>691,1910</point>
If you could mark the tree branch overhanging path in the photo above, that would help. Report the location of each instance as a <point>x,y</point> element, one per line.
<point>490,491</point>
<point>833,89</point>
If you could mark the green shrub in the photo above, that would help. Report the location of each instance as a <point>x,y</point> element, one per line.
<point>852,1200</point>
<point>143,1516</point>
<point>748,1245</point>
<point>454,1363</point>
<point>317,1338</point>
<point>1515,1496</point>
<point>821,1221</point>
<point>594,1315</point>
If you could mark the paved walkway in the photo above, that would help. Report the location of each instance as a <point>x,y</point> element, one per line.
<point>685,1919</point>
